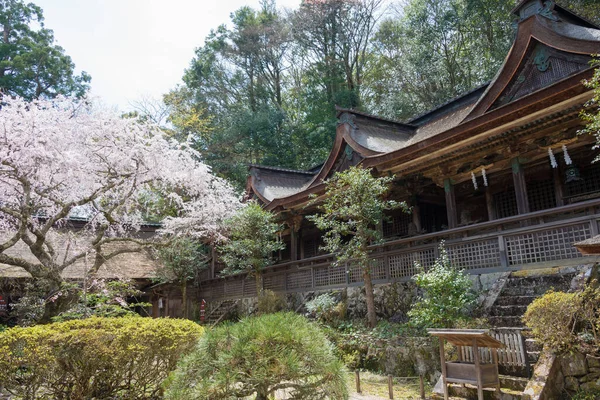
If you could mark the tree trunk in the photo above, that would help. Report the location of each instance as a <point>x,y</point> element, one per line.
<point>184,300</point>
<point>259,288</point>
<point>371,316</point>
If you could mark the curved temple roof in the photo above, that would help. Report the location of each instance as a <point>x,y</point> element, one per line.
<point>550,57</point>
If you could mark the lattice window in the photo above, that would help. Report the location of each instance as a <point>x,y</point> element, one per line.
<point>506,203</point>
<point>274,282</point>
<point>329,276</point>
<point>396,225</point>
<point>541,194</point>
<point>299,280</point>
<point>250,287</point>
<point>234,288</point>
<point>218,290</point>
<point>475,255</point>
<point>589,183</point>
<point>378,270</point>
<point>403,265</point>
<point>355,273</point>
<point>548,245</point>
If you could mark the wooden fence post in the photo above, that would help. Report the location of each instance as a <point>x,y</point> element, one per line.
<point>391,387</point>
<point>357,376</point>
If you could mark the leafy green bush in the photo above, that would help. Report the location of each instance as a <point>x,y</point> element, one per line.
<point>586,395</point>
<point>447,297</point>
<point>326,308</point>
<point>94,358</point>
<point>258,356</point>
<point>271,302</point>
<point>566,321</point>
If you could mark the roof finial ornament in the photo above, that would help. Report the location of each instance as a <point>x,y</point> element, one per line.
<point>347,118</point>
<point>543,8</point>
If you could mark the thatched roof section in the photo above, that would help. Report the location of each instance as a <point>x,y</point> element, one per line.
<point>138,265</point>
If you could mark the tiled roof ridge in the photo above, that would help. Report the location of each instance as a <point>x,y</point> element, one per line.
<point>373,116</point>
<point>448,102</point>
<point>279,169</point>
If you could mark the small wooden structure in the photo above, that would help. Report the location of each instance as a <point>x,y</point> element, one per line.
<point>478,373</point>
<point>590,246</point>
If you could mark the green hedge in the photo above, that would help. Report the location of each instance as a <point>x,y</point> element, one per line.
<point>101,358</point>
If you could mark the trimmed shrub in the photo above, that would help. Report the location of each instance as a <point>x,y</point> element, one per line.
<point>567,321</point>
<point>256,357</point>
<point>103,358</point>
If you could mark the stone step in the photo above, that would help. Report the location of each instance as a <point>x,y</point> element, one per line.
<point>558,282</point>
<point>515,383</point>
<point>506,321</point>
<point>508,311</point>
<point>524,291</point>
<point>514,300</point>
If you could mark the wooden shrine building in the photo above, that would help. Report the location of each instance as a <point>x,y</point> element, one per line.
<point>499,173</point>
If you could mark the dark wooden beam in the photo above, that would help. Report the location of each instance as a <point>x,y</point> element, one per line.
<point>489,202</point>
<point>520,186</point>
<point>450,204</point>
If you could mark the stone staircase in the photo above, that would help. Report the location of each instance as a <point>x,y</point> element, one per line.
<point>507,311</point>
<point>220,312</point>
<point>519,291</point>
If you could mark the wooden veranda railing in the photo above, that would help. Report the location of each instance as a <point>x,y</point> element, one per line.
<point>534,240</point>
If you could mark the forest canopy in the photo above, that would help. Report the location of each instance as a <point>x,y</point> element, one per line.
<point>264,88</point>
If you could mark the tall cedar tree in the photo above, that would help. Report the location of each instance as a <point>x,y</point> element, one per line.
<point>253,239</point>
<point>31,64</point>
<point>350,215</point>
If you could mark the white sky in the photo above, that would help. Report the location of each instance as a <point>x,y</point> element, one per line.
<point>136,48</point>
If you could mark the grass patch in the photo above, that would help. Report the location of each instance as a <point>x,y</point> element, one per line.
<point>377,385</point>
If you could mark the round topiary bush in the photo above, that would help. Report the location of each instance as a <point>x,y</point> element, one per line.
<point>100,358</point>
<point>258,356</point>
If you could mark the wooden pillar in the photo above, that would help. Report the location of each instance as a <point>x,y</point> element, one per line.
<point>495,361</point>
<point>450,204</point>
<point>444,373</point>
<point>416,216</point>
<point>520,186</point>
<point>478,370</point>
<point>558,187</point>
<point>293,244</point>
<point>489,202</point>
<point>294,224</point>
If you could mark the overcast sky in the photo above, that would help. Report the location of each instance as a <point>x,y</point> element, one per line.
<point>135,48</point>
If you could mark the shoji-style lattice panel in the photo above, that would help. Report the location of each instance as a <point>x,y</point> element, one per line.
<point>475,255</point>
<point>547,245</point>
<point>403,265</point>
<point>299,280</point>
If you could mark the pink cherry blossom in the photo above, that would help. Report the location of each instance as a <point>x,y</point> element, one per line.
<point>62,159</point>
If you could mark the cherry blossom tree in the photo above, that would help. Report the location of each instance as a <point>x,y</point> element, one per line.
<point>65,159</point>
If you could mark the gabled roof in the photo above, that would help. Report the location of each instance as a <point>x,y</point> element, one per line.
<point>269,183</point>
<point>548,60</point>
<point>549,47</point>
